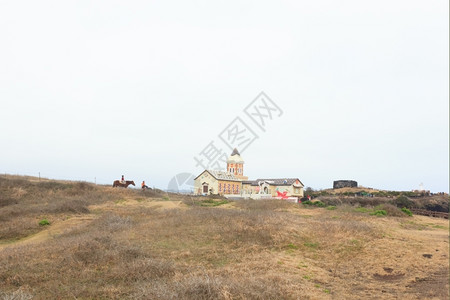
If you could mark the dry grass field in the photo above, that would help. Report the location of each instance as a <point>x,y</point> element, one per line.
<point>104,242</point>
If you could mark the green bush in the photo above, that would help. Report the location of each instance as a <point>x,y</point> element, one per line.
<point>319,204</point>
<point>379,213</point>
<point>407,211</point>
<point>331,207</point>
<point>410,194</point>
<point>292,246</point>
<point>362,209</point>
<point>315,203</point>
<point>44,222</point>
<point>403,201</point>
<point>211,202</point>
<point>311,245</point>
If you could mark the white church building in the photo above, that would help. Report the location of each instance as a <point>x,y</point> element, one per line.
<point>232,182</point>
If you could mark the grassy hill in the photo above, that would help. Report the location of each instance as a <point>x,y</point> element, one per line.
<point>78,240</point>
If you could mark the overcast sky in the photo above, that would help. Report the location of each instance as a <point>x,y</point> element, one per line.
<point>91,90</point>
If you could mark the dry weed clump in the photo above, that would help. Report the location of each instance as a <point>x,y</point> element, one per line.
<point>72,205</point>
<point>268,205</point>
<point>225,226</point>
<point>145,269</point>
<point>19,294</point>
<point>337,233</point>
<point>18,227</point>
<point>112,223</point>
<point>102,250</point>
<point>210,286</point>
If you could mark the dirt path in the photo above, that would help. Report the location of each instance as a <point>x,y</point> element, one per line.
<point>54,229</point>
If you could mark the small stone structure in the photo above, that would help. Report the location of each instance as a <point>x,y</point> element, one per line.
<point>338,184</point>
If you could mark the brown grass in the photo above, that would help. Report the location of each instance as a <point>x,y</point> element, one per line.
<point>129,248</point>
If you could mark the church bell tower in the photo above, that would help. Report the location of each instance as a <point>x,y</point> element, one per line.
<point>235,165</point>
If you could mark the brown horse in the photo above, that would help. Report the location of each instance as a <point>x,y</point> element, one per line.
<point>120,184</point>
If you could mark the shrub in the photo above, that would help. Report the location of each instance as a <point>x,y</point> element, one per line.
<point>403,201</point>
<point>319,204</point>
<point>266,204</point>
<point>331,207</point>
<point>211,202</point>
<point>113,223</point>
<point>332,201</point>
<point>379,212</point>
<point>311,245</point>
<point>315,203</point>
<point>292,246</point>
<point>68,205</point>
<point>407,211</point>
<point>362,209</point>
<point>410,194</point>
<point>44,222</point>
<point>391,210</point>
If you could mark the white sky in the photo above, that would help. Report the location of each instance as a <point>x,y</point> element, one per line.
<point>96,89</point>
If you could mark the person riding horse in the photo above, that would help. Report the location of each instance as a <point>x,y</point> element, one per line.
<point>143,185</point>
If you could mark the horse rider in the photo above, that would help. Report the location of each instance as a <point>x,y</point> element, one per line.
<point>143,185</point>
<point>122,180</point>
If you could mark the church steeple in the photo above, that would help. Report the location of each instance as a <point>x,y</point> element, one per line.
<point>235,165</point>
<point>235,152</point>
